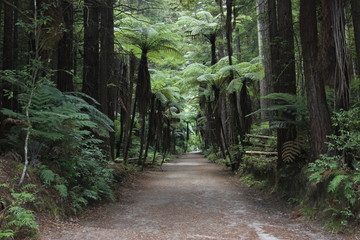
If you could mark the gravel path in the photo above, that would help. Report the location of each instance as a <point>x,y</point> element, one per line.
<point>191,199</point>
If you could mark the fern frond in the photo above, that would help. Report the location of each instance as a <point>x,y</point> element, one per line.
<point>87,193</point>
<point>97,116</point>
<point>62,190</point>
<point>336,181</point>
<point>12,114</point>
<point>235,85</point>
<point>77,97</point>
<point>47,176</point>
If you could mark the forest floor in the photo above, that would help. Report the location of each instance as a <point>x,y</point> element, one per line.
<point>190,198</point>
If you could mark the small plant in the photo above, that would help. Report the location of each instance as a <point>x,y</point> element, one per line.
<point>15,217</point>
<point>249,180</point>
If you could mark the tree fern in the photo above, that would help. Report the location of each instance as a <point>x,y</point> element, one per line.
<point>288,103</point>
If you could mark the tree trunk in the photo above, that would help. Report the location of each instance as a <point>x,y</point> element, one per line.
<point>106,56</point>
<point>355,10</point>
<point>142,140</point>
<point>108,80</point>
<point>237,33</point>
<point>91,49</point>
<point>342,80</point>
<point>320,124</point>
<point>8,51</point>
<point>327,53</point>
<point>286,81</point>
<point>128,102</point>
<point>151,132</point>
<point>143,87</point>
<point>228,28</point>
<point>266,84</point>
<point>128,142</point>
<point>123,87</point>
<point>212,40</point>
<point>66,50</point>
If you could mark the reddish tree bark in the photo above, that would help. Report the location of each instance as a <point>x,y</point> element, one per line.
<point>91,48</point>
<point>8,50</point>
<point>66,50</point>
<point>355,11</point>
<point>286,80</point>
<point>320,124</point>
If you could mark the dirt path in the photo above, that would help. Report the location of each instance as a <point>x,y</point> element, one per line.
<point>190,199</point>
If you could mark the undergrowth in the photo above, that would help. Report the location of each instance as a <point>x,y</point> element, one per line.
<point>16,218</point>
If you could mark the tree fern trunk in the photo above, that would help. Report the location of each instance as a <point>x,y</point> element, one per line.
<point>142,140</point>
<point>151,126</point>
<point>128,142</point>
<point>212,39</point>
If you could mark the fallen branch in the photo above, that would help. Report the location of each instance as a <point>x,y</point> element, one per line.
<point>261,136</point>
<point>261,153</point>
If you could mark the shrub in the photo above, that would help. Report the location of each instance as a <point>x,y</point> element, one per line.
<point>341,168</point>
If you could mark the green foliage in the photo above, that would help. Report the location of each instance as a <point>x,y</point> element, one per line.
<point>65,123</point>
<point>250,180</point>
<point>341,168</point>
<point>59,118</point>
<point>150,40</point>
<point>47,176</point>
<point>204,24</point>
<point>341,219</point>
<point>16,218</point>
<point>288,104</point>
<point>335,182</point>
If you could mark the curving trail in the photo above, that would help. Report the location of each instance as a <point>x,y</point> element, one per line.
<point>191,199</point>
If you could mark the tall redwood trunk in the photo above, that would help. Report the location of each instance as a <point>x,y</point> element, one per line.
<point>286,80</point>
<point>355,11</point>
<point>266,84</point>
<point>128,112</point>
<point>320,124</point>
<point>8,51</point>
<point>66,50</point>
<point>107,82</point>
<point>342,80</point>
<point>91,48</point>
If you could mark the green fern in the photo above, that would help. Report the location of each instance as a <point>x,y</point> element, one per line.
<point>47,176</point>
<point>336,181</point>
<point>91,194</point>
<point>350,193</point>
<point>62,190</point>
